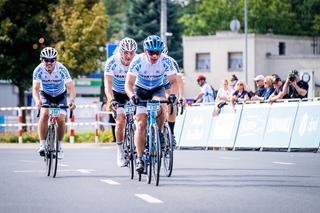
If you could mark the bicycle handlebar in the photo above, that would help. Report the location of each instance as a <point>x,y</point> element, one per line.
<point>55,106</point>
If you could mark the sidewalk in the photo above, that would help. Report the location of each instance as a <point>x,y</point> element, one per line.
<point>65,145</point>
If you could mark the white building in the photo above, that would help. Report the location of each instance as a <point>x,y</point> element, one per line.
<point>219,56</point>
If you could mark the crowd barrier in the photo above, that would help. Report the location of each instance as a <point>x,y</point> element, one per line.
<point>286,124</point>
<point>91,117</point>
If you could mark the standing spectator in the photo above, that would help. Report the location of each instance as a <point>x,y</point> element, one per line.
<point>259,79</point>
<point>294,87</point>
<point>268,89</point>
<point>277,84</point>
<point>240,94</point>
<point>207,94</point>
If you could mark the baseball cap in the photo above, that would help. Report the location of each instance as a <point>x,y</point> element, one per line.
<point>276,80</point>
<point>259,77</point>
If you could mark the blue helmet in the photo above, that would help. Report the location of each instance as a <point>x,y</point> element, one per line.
<point>153,43</point>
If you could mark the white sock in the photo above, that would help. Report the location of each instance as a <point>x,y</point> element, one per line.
<point>60,144</point>
<point>42,142</point>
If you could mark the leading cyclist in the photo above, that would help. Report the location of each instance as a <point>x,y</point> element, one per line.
<point>115,73</point>
<point>51,80</point>
<point>145,82</point>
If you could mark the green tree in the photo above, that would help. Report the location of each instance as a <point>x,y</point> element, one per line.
<point>83,27</point>
<point>263,16</point>
<point>22,24</point>
<point>143,19</point>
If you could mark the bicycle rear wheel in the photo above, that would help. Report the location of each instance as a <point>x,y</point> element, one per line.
<point>55,151</point>
<point>156,155</point>
<point>168,151</point>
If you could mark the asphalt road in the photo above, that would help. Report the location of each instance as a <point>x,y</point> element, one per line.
<point>88,180</point>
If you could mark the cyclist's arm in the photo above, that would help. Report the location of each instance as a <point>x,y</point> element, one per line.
<point>130,81</point>
<point>72,91</point>
<point>108,87</point>
<point>173,80</point>
<point>36,92</point>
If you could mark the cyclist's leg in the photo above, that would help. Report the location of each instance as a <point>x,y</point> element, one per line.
<point>43,125</point>
<point>162,114</point>
<point>140,136</point>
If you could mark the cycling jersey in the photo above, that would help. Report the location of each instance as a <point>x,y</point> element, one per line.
<point>53,84</point>
<point>115,68</point>
<point>166,82</point>
<point>151,76</point>
<point>208,94</point>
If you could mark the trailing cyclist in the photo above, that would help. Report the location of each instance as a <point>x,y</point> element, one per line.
<point>145,82</point>
<point>51,80</point>
<point>171,118</point>
<point>116,69</point>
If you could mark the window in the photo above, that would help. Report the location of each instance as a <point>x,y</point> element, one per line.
<point>203,61</point>
<point>282,48</point>
<point>235,61</point>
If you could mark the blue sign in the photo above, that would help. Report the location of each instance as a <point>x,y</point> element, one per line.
<point>1,122</point>
<point>111,49</point>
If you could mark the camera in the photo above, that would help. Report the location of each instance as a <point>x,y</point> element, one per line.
<point>292,75</point>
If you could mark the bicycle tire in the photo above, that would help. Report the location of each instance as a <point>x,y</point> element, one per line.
<point>132,148</point>
<point>168,151</point>
<point>149,157</point>
<point>48,152</point>
<point>156,155</point>
<point>55,151</point>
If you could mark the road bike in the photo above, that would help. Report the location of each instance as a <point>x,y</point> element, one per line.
<point>51,148</point>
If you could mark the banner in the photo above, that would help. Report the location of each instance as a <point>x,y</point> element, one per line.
<point>196,126</point>
<point>252,125</point>
<point>280,125</point>
<point>306,130</point>
<point>179,125</point>
<point>224,127</point>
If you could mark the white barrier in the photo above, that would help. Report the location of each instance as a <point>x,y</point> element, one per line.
<point>178,126</point>
<point>280,124</point>
<point>224,127</point>
<point>306,130</point>
<point>252,125</point>
<point>195,129</point>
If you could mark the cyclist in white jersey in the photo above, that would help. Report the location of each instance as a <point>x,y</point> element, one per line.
<point>50,81</point>
<point>171,118</point>
<point>116,69</point>
<point>145,82</point>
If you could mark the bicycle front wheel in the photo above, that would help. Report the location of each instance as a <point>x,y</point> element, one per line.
<point>48,158</point>
<point>55,151</point>
<point>168,151</point>
<point>156,154</point>
<point>129,149</point>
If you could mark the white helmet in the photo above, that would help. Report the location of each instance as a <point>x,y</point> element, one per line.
<point>48,52</point>
<point>128,44</point>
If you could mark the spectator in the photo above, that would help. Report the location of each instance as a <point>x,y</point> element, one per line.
<point>207,93</point>
<point>294,87</point>
<point>233,82</point>
<point>240,94</point>
<point>223,96</point>
<point>277,84</point>
<point>268,89</point>
<point>260,88</point>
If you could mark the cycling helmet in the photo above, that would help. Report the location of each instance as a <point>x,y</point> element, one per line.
<point>128,44</point>
<point>49,52</point>
<point>200,77</point>
<point>165,50</point>
<point>153,43</point>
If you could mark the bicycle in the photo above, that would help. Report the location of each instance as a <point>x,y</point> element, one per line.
<point>169,146</point>
<point>52,148</point>
<point>153,153</point>
<point>128,144</point>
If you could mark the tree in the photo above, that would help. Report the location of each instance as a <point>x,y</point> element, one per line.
<point>22,25</point>
<point>83,27</point>
<point>143,19</point>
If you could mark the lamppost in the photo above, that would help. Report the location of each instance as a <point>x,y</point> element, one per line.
<point>245,64</point>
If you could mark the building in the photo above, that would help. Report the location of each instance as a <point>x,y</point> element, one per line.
<point>221,55</point>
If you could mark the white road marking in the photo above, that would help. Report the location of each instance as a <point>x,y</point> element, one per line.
<point>282,163</point>
<point>62,165</point>
<point>111,182</point>
<point>28,171</point>
<point>148,198</point>
<point>85,171</point>
<point>27,161</point>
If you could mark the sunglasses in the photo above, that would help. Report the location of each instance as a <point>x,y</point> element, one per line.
<point>154,52</point>
<point>49,60</point>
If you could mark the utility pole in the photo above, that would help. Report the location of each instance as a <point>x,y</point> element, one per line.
<point>163,21</point>
<point>245,67</point>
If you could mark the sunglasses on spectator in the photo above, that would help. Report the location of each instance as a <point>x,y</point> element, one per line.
<point>241,84</point>
<point>154,52</point>
<point>49,60</point>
